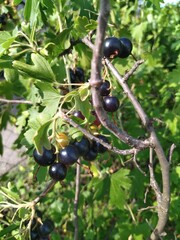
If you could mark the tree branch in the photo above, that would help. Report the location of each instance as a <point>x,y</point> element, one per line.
<point>14,101</point>
<point>95,81</point>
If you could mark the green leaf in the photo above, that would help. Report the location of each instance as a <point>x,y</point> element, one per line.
<point>84,92</point>
<point>5,62</point>
<point>102,187</point>
<point>5,41</point>
<point>40,70</point>
<point>156,3</point>
<point>8,229</point>
<point>51,97</point>
<point>40,173</point>
<point>23,212</point>
<point>29,136</point>
<point>41,137</point>
<point>31,10</point>
<point>16,2</point>
<point>119,182</point>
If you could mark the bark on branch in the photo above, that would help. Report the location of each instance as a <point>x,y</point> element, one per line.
<point>95,81</point>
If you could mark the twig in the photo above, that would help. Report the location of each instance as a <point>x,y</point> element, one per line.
<point>47,189</point>
<point>137,165</point>
<point>153,181</point>
<point>76,200</point>
<point>173,146</point>
<point>133,69</point>
<point>146,208</point>
<point>15,101</point>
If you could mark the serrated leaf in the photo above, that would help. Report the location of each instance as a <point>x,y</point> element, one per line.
<point>117,195</point>
<point>40,70</point>
<point>119,182</point>
<point>121,177</point>
<point>102,187</point>
<point>51,97</point>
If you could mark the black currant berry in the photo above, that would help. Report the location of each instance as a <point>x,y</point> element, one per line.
<point>34,235</point>
<point>46,228</point>
<point>110,103</point>
<point>104,89</point>
<point>57,171</point>
<point>98,147</point>
<point>112,47</point>
<point>46,159</point>
<point>3,19</point>
<point>127,47</point>
<point>91,155</point>
<point>77,75</point>
<point>78,114</point>
<point>69,155</point>
<point>79,72</point>
<point>83,146</point>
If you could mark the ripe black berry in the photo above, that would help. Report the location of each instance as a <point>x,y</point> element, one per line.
<point>97,146</point>
<point>104,89</point>
<point>112,47</point>
<point>57,171</point>
<point>83,146</point>
<point>91,155</point>
<point>77,75</point>
<point>34,235</point>
<point>69,155</point>
<point>46,159</point>
<point>110,103</point>
<point>46,228</point>
<point>127,47</point>
<point>78,114</point>
<point>79,72</point>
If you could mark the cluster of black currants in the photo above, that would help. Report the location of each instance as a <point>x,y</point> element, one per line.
<point>41,231</point>
<point>69,155</point>
<point>117,47</point>
<point>110,103</point>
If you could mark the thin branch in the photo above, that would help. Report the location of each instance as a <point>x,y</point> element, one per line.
<point>76,200</point>
<point>171,150</point>
<point>92,137</point>
<point>153,181</point>
<point>137,165</point>
<point>43,194</point>
<point>133,69</point>
<point>14,101</point>
<point>146,208</point>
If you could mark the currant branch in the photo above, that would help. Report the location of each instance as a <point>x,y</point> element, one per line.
<point>95,81</point>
